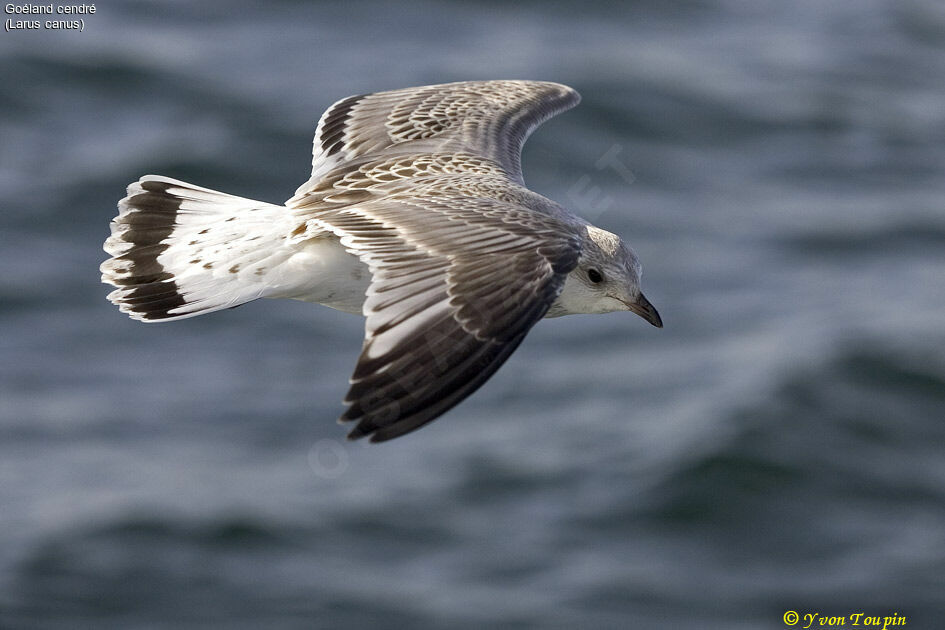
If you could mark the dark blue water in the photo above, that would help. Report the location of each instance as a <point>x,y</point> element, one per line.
<point>780,445</point>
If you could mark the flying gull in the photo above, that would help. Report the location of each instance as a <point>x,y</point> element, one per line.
<point>417,217</point>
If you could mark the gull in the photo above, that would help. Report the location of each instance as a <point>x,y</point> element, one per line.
<point>417,217</point>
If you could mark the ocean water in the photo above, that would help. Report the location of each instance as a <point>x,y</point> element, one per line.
<point>779,446</point>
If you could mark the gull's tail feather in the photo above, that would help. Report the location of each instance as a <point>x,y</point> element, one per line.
<point>179,250</point>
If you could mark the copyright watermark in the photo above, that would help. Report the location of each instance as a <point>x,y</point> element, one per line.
<point>858,619</point>
<point>591,198</point>
<point>328,459</point>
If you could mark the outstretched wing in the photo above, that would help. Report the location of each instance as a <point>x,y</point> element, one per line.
<point>489,119</point>
<point>457,283</point>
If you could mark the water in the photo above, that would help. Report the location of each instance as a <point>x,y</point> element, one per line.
<point>780,445</point>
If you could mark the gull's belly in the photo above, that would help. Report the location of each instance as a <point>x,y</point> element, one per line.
<point>322,271</point>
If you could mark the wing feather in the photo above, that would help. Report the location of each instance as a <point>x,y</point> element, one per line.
<point>443,313</point>
<point>425,186</point>
<point>489,119</point>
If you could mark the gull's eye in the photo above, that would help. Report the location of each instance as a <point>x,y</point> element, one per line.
<point>594,276</point>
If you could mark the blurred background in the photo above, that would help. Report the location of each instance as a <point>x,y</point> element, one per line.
<point>780,445</point>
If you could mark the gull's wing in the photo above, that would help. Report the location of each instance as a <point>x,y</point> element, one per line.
<point>489,119</point>
<point>457,283</point>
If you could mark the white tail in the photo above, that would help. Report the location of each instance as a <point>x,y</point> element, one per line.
<point>179,250</point>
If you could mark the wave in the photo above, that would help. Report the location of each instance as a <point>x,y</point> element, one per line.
<point>901,237</point>
<point>835,432</point>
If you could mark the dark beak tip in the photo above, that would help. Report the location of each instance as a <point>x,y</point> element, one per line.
<point>650,315</point>
<point>647,311</point>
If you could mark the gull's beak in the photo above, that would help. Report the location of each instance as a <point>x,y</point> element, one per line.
<point>644,309</point>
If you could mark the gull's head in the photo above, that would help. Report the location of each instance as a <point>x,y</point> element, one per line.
<point>606,279</point>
